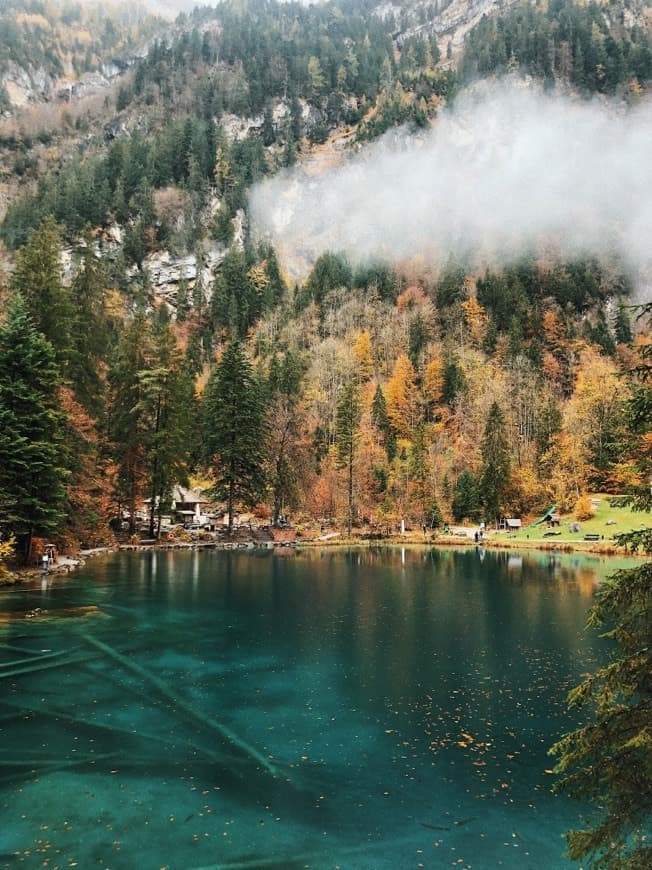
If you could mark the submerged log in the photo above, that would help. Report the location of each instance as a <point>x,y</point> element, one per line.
<point>184,706</point>
<point>43,666</point>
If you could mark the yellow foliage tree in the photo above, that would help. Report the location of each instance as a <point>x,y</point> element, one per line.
<point>364,357</point>
<point>584,508</point>
<point>402,397</point>
<point>433,381</point>
<point>594,414</point>
<point>476,320</point>
<point>566,467</point>
<point>6,553</point>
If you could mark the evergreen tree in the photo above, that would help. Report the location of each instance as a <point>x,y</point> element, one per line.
<point>609,761</point>
<point>32,460</point>
<point>418,468</point>
<point>380,419</point>
<point>623,326</point>
<point>495,474</point>
<point>466,498</point>
<point>38,277</point>
<point>347,419</point>
<point>166,405</point>
<point>284,432</point>
<point>235,430</point>
<point>454,382</point>
<point>91,332</point>
<point>128,422</point>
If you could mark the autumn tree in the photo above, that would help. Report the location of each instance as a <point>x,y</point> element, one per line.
<point>433,385</point>
<point>33,468</point>
<point>364,358</point>
<point>595,414</point>
<point>476,320</point>
<point>402,395</point>
<point>235,430</point>
<point>89,488</point>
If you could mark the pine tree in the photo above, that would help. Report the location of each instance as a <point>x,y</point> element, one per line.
<point>166,406</point>
<point>347,420</point>
<point>91,332</point>
<point>283,424</point>
<point>609,761</point>
<point>128,422</point>
<point>419,468</point>
<point>38,277</point>
<point>495,474</point>
<point>466,499</point>
<point>622,326</point>
<point>235,436</point>
<point>32,459</point>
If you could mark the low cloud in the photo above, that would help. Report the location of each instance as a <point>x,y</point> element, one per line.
<point>507,168</point>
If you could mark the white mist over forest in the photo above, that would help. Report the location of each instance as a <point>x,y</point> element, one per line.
<point>506,168</point>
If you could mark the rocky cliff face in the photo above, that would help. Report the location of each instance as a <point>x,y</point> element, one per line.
<point>450,22</point>
<point>64,51</point>
<point>27,85</point>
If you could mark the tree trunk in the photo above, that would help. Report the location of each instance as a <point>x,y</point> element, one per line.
<point>152,507</point>
<point>230,506</point>
<point>350,523</point>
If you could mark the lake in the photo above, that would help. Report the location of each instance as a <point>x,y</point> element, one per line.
<point>363,708</point>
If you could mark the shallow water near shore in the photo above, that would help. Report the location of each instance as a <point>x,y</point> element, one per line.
<point>370,708</point>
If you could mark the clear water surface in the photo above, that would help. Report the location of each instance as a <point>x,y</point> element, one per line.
<point>322,709</point>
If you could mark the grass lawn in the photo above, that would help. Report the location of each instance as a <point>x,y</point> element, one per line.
<point>607,522</point>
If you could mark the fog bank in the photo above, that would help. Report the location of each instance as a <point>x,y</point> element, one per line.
<point>506,168</point>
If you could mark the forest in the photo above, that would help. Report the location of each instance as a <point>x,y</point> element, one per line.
<point>365,393</point>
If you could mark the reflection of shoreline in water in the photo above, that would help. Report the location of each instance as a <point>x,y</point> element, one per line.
<point>577,572</point>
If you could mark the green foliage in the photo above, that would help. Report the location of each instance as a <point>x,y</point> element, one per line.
<point>91,331</point>
<point>283,424</point>
<point>128,421</point>
<point>249,284</point>
<point>32,458</point>
<point>564,39</point>
<point>330,272</point>
<point>496,463</point>
<point>454,382</point>
<point>466,498</point>
<point>377,279</point>
<point>622,325</point>
<point>347,421</point>
<point>235,430</point>
<point>609,761</point>
<point>167,400</point>
<point>38,278</point>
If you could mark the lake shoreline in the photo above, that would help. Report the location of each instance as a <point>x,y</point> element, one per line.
<point>67,564</point>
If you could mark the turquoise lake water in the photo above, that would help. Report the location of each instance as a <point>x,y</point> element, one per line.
<point>323,709</point>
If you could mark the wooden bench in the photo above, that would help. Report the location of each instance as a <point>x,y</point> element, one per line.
<point>591,537</point>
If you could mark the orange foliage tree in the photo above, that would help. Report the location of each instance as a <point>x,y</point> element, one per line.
<point>402,397</point>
